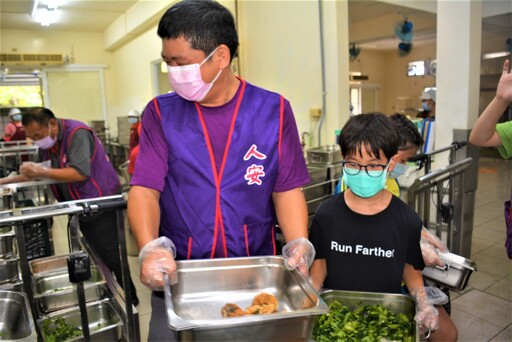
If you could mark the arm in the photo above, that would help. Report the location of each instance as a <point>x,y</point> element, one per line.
<point>144,214</point>
<point>318,272</point>
<point>292,213</point>
<point>484,131</point>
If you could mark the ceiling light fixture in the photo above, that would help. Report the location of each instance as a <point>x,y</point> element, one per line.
<point>492,55</point>
<point>47,14</point>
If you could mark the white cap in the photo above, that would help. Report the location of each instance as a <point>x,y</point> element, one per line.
<point>14,111</point>
<point>133,112</point>
<point>429,95</point>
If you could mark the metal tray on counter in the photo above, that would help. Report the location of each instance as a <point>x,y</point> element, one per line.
<point>54,263</point>
<point>397,303</point>
<point>16,322</point>
<point>9,270</point>
<point>104,322</point>
<point>328,154</point>
<point>455,275</point>
<point>194,304</point>
<point>53,291</point>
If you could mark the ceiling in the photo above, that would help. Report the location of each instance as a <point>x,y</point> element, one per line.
<point>97,16</point>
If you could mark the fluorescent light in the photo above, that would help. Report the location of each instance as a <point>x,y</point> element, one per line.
<point>492,55</point>
<point>46,15</point>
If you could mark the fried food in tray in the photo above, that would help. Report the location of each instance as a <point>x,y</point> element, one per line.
<point>262,304</point>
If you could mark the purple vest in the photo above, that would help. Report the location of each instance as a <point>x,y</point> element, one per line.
<point>227,213</point>
<point>103,180</point>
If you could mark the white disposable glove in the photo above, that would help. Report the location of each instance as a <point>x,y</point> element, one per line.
<point>430,247</point>
<point>33,170</point>
<point>426,313</point>
<point>157,258</point>
<point>299,254</point>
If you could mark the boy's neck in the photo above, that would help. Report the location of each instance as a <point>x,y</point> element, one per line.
<point>368,206</point>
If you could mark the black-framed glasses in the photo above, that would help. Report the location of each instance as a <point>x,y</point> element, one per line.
<point>372,170</point>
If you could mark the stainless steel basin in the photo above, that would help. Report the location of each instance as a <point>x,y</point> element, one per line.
<point>16,322</point>
<point>54,291</point>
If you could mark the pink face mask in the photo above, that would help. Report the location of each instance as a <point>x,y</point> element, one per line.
<point>187,82</point>
<point>45,143</point>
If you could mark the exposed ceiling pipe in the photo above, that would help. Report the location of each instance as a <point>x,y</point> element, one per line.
<point>322,61</point>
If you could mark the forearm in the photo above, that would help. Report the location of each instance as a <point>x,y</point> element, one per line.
<point>412,277</point>
<point>15,179</point>
<point>292,213</point>
<point>67,174</point>
<point>317,273</point>
<point>144,214</point>
<point>484,131</point>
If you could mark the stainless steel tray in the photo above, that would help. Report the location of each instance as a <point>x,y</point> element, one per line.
<point>7,244</point>
<point>15,317</point>
<point>397,303</point>
<point>55,263</point>
<point>104,322</point>
<point>9,270</point>
<point>205,286</point>
<point>455,275</point>
<point>54,291</point>
<point>329,154</point>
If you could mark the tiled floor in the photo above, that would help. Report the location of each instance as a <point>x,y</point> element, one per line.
<point>483,312</point>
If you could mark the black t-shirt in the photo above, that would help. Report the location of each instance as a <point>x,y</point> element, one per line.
<point>366,252</point>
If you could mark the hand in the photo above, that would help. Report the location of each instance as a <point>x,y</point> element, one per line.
<point>430,244</point>
<point>33,170</point>
<point>157,258</point>
<point>299,253</point>
<point>504,90</point>
<point>426,313</point>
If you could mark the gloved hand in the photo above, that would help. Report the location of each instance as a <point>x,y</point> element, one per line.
<point>33,170</point>
<point>157,258</point>
<point>299,253</point>
<point>430,247</point>
<point>426,313</point>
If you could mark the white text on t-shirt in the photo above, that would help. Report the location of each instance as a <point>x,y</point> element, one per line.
<point>360,249</point>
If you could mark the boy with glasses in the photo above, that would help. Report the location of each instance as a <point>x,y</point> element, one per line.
<point>365,238</point>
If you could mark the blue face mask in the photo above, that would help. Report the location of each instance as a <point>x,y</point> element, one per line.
<point>364,185</point>
<point>425,107</point>
<point>16,117</point>
<point>132,120</point>
<point>399,170</point>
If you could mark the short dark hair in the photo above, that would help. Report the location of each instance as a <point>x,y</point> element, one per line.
<point>408,133</point>
<point>41,115</point>
<point>205,24</point>
<point>373,131</point>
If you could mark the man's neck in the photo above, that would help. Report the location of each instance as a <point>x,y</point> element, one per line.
<point>223,90</point>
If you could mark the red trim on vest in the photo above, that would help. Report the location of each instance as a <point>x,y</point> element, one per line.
<point>246,240</point>
<point>274,238</point>
<point>189,249</point>
<point>218,175</point>
<point>281,119</point>
<point>155,102</point>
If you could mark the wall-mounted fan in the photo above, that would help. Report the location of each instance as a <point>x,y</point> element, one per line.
<point>404,31</point>
<point>354,51</point>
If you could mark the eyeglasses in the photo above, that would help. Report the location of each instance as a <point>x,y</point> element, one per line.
<point>372,170</point>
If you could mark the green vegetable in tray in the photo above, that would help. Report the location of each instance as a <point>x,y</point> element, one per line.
<point>366,323</point>
<point>59,330</point>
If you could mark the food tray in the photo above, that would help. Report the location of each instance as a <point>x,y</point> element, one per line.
<point>329,154</point>
<point>398,303</point>
<point>53,291</point>
<point>194,304</point>
<point>9,270</point>
<point>56,263</point>
<point>104,322</point>
<point>455,275</point>
<point>16,318</point>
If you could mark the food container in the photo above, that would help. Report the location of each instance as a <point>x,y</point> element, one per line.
<point>7,244</point>
<point>104,322</point>
<point>16,322</point>
<point>55,263</point>
<point>398,303</point>
<point>9,270</point>
<point>53,291</point>
<point>194,304</point>
<point>16,285</point>
<point>318,185</point>
<point>454,275</point>
<point>329,154</point>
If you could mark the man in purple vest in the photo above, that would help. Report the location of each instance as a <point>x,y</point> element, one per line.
<point>78,161</point>
<point>220,160</point>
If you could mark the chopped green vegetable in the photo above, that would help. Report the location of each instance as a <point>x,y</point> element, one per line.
<point>366,323</point>
<point>59,330</point>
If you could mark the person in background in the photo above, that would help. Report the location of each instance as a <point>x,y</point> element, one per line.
<point>369,232</point>
<point>428,104</point>
<point>14,130</point>
<point>487,132</point>
<point>219,162</point>
<point>134,121</point>
<point>76,158</point>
